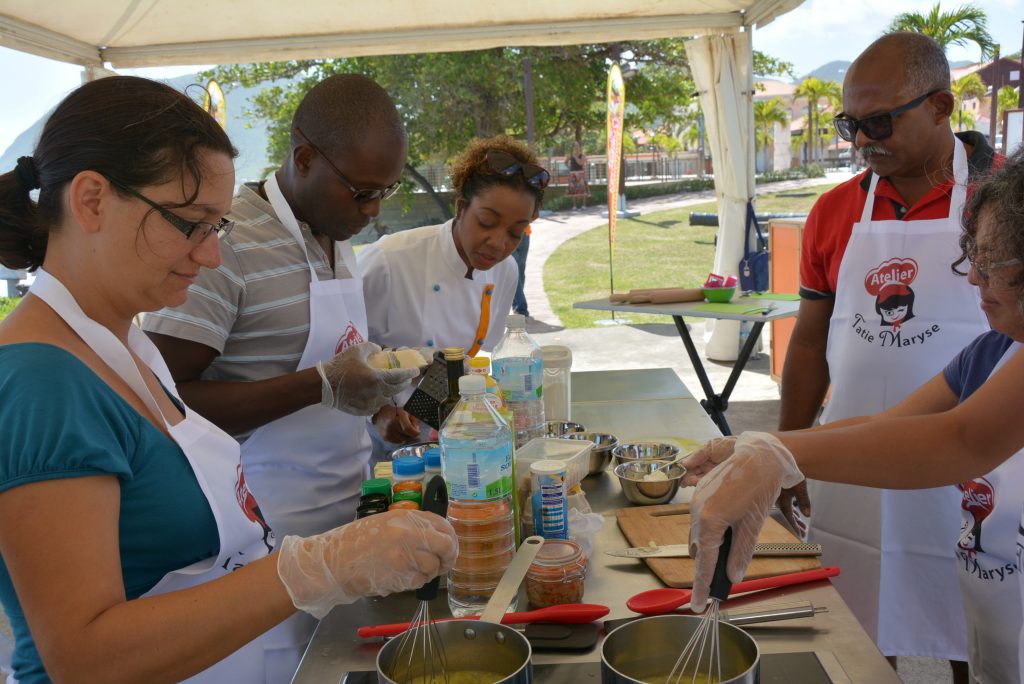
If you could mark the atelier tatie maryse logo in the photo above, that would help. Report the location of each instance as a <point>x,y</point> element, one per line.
<point>889,284</point>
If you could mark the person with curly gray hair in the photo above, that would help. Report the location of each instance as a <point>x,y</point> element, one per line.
<point>963,427</point>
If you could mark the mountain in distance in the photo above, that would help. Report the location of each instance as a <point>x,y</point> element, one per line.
<point>832,71</point>
<point>248,133</point>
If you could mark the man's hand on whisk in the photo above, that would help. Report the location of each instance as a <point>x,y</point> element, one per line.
<point>738,493</point>
<point>374,556</point>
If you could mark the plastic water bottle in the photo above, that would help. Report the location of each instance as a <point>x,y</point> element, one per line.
<point>745,329</point>
<point>518,366</point>
<point>476,462</point>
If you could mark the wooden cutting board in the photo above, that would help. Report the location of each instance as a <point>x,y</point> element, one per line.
<point>670,524</point>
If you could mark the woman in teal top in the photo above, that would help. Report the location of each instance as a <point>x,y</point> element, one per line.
<point>130,546</point>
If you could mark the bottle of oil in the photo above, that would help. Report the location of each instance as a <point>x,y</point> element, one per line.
<point>454,359</point>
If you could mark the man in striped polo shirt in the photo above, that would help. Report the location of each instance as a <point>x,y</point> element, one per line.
<point>272,345</point>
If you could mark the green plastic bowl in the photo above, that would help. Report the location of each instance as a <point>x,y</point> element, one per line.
<point>719,295</point>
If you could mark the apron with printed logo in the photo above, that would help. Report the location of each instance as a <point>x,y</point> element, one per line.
<point>305,468</point>
<point>986,558</point>
<point>214,457</point>
<point>900,316</point>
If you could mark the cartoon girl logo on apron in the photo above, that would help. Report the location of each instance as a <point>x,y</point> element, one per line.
<point>889,284</point>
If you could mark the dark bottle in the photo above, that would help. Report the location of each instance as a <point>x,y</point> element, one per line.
<point>454,359</point>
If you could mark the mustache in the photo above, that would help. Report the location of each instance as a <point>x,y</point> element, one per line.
<point>874,149</point>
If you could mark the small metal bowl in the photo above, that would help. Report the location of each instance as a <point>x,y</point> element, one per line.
<point>629,452</point>
<point>557,428</point>
<point>647,493</point>
<point>601,454</point>
<point>412,450</point>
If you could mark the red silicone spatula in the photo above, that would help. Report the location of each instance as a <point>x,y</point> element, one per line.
<point>660,601</point>
<point>570,613</point>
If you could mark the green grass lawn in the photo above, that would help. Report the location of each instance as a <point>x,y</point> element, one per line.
<point>7,305</point>
<point>660,249</point>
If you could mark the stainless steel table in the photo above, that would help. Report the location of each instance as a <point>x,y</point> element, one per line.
<point>759,312</point>
<point>629,404</point>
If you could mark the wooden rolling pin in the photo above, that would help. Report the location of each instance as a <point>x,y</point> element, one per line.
<point>668,295</point>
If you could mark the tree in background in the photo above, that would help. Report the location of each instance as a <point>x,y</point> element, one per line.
<point>816,90</point>
<point>961,26</point>
<point>767,113</point>
<point>970,87</point>
<point>1009,97</point>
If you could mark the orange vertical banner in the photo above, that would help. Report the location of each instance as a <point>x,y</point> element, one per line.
<point>616,109</point>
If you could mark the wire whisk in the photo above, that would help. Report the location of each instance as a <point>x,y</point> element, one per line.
<point>420,657</point>
<point>701,659</point>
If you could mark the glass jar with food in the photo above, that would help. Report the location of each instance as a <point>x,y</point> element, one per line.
<point>556,574</point>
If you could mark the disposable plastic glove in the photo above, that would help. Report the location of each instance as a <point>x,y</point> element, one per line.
<point>374,556</point>
<point>701,462</point>
<point>737,493</point>
<point>352,385</point>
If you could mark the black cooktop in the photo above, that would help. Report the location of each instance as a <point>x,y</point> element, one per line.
<point>776,668</point>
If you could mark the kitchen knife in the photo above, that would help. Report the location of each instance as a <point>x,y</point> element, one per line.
<point>683,550</point>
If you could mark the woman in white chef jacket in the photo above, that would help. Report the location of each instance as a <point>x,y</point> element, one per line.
<point>452,284</point>
<point>132,549</point>
<point>963,427</point>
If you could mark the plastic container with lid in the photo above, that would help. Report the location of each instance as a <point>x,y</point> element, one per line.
<point>556,574</point>
<point>377,485</point>
<point>557,382</point>
<point>550,501</point>
<point>408,468</point>
<point>431,463</point>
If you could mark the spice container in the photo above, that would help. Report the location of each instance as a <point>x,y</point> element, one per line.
<point>408,469</point>
<point>378,485</point>
<point>556,574</point>
<point>431,463</point>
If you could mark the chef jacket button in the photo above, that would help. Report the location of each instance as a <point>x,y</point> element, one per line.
<point>490,291</point>
<point>479,341</point>
<point>437,288</point>
<point>430,343</point>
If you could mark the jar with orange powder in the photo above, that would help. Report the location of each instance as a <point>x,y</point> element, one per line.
<point>556,574</point>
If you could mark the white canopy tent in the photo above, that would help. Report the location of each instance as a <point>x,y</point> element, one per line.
<point>138,33</point>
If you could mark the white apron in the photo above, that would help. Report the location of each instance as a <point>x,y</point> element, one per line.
<point>900,316</point>
<point>986,557</point>
<point>305,468</point>
<point>214,457</point>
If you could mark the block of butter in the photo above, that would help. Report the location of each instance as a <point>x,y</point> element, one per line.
<point>398,358</point>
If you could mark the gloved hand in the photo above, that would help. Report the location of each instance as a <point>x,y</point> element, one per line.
<point>803,502</point>
<point>352,385</point>
<point>737,493</point>
<point>374,556</point>
<point>701,462</point>
<point>396,425</point>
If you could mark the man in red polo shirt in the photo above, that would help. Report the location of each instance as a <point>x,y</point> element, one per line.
<point>881,312</point>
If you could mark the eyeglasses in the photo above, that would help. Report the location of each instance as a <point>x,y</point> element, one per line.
<point>194,231</point>
<point>507,165</point>
<point>983,267</point>
<point>360,196</point>
<point>878,126</point>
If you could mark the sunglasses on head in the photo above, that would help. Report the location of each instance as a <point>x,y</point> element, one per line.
<point>507,165</point>
<point>877,126</point>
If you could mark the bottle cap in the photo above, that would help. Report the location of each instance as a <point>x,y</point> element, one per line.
<point>472,384</point>
<point>516,322</point>
<point>408,465</point>
<point>480,363</point>
<point>432,457</point>
<point>378,485</point>
<point>454,353</point>
<point>549,467</point>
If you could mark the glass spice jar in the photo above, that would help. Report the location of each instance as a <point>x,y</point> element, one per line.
<point>556,574</point>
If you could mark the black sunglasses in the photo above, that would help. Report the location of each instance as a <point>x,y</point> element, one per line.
<point>877,126</point>
<point>507,165</point>
<point>360,196</point>
<point>194,231</point>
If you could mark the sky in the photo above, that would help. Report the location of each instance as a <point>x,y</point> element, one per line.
<point>817,32</point>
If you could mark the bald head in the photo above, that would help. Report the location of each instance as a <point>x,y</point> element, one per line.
<point>345,110</point>
<point>910,63</point>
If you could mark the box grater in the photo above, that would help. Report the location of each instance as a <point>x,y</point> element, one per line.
<point>426,400</point>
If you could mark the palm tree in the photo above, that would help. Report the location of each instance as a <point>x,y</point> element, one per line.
<point>961,26</point>
<point>767,113</point>
<point>814,89</point>
<point>970,87</point>
<point>1008,99</point>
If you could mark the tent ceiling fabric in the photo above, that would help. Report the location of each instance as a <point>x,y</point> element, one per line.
<point>135,33</point>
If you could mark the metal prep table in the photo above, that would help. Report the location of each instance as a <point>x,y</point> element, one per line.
<point>631,404</point>
<point>760,311</point>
